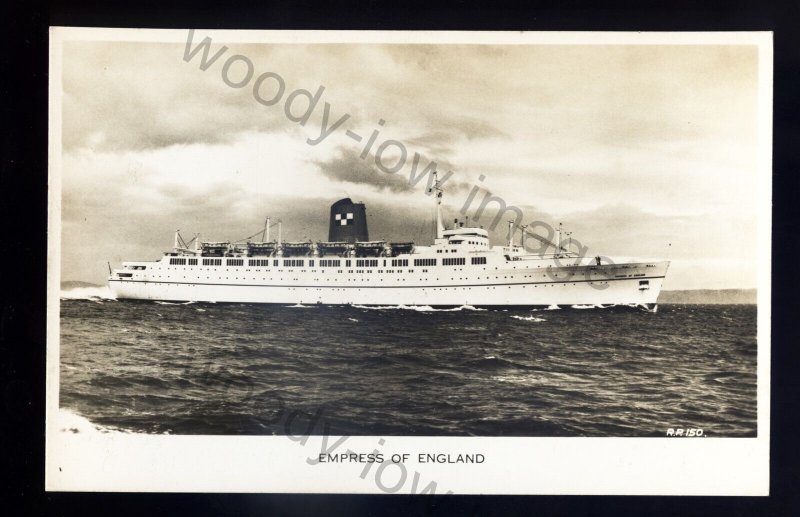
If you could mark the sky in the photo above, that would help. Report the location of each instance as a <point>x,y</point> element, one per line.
<point>641,151</point>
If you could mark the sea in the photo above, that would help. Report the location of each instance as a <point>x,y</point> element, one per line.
<point>244,369</point>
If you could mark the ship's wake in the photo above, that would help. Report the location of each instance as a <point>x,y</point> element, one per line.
<point>97,294</point>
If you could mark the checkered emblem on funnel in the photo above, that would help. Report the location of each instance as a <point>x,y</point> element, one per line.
<point>344,219</point>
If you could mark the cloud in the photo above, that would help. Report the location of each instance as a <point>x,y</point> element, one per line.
<point>347,165</point>
<point>120,96</point>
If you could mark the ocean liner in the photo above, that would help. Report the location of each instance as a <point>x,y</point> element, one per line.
<point>460,268</point>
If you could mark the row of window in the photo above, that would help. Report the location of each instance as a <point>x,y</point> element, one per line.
<point>454,261</point>
<point>177,262</point>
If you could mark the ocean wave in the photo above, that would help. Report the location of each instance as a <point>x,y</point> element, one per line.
<point>88,293</point>
<point>299,306</point>
<point>174,303</point>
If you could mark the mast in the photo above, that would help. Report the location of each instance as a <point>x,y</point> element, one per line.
<point>510,234</point>
<point>176,246</point>
<point>439,223</point>
<point>280,230</point>
<point>558,241</point>
<point>522,237</point>
<point>267,230</point>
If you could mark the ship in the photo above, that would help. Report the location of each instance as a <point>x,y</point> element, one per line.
<point>461,268</point>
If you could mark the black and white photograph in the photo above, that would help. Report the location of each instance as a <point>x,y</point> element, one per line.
<point>409,262</point>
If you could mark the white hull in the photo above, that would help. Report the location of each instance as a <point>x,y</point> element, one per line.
<point>527,286</point>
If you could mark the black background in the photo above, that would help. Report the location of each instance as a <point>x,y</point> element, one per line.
<point>23,237</point>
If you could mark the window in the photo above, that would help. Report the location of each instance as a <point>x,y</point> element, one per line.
<point>347,263</point>
<point>330,263</point>
<point>259,262</point>
<point>177,261</point>
<point>212,262</point>
<point>367,263</point>
<point>310,263</point>
<point>192,262</point>
<point>460,261</point>
<point>425,262</point>
<point>275,262</point>
<point>235,262</point>
<point>478,260</point>
<point>293,262</point>
<point>399,262</point>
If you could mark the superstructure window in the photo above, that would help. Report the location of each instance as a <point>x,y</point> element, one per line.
<point>177,261</point>
<point>425,262</point>
<point>235,262</point>
<point>293,263</point>
<point>259,262</point>
<point>454,261</point>
<point>330,263</point>
<point>212,262</point>
<point>399,262</point>
<point>366,262</point>
<point>478,260</point>
<point>192,262</point>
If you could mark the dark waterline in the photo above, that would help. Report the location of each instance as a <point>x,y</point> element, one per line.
<point>255,370</point>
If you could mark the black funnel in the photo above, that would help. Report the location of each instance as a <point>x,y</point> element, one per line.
<point>348,222</point>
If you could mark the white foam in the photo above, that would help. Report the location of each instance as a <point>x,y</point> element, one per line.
<point>529,318</point>
<point>418,308</point>
<point>88,293</point>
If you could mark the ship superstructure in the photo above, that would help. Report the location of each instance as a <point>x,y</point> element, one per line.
<point>460,268</point>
